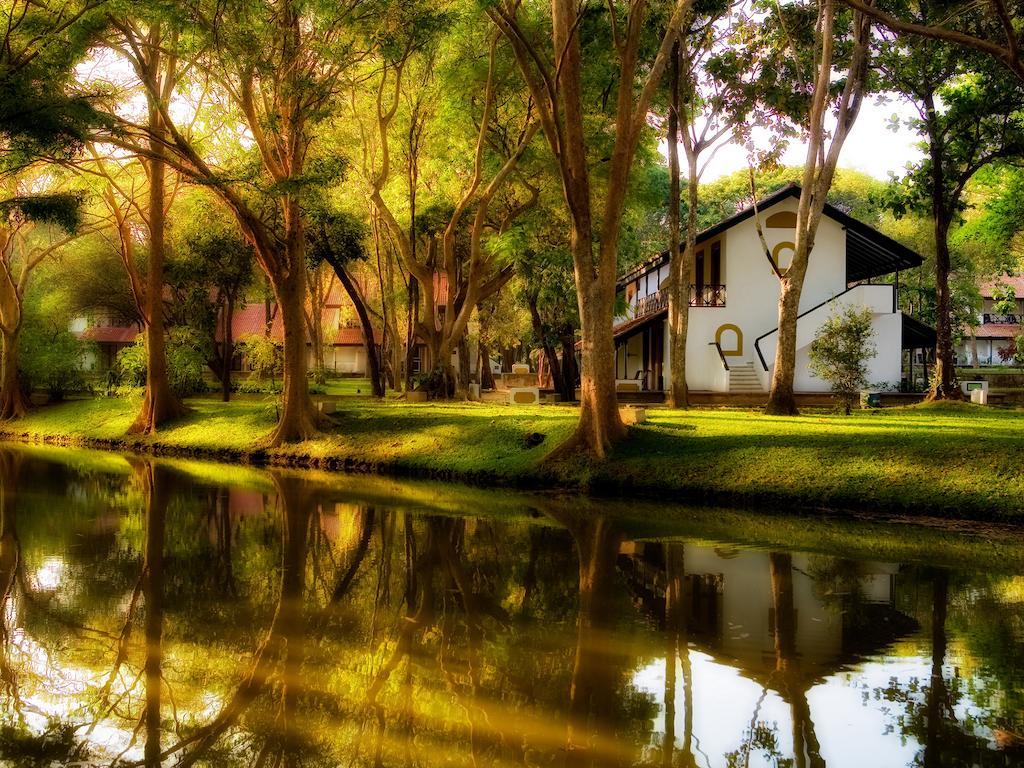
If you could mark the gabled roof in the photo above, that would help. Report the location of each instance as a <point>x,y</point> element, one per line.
<point>869,253</point>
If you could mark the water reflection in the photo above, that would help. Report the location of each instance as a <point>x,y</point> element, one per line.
<point>162,614</point>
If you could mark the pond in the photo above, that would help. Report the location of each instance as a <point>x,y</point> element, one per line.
<point>184,613</point>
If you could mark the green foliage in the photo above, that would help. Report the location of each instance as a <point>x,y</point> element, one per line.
<point>51,360</point>
<point>130,365</point>
<point>62,209</point>
<point>840,352</point>
<point>264,355</point>
<point>41,113</point>
<point>186,361</point>
<point>337,237</point>
<point>1004,299</point>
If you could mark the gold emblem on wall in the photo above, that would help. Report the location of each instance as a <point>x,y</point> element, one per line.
<point>782,220</point>
<point>736,351</point>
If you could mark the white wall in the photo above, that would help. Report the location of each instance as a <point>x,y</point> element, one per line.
<point>752,292</point>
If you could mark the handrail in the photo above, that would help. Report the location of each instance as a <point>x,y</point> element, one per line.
<point>721,354</point>
<point>757,341</point>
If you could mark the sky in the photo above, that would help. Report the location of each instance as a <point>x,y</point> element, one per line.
<point>871,147</point>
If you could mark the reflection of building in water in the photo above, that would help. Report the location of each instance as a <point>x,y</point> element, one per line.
<point>840,609</point>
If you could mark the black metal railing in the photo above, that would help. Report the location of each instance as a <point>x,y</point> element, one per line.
<point>1002,319</point>
<point>651,303</point>
<point>708,295</point>
<point>721,354</point>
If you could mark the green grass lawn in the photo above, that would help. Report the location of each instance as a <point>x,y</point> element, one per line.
<point>954,460</point>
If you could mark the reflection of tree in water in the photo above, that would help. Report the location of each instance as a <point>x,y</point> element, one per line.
<point>20,744</point>
<point>927,709</point>
<point>313,634</point>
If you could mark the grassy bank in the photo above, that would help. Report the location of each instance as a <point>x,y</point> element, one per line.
<point>953,461</point>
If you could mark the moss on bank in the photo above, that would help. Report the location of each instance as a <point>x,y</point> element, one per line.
<point>949,461</point>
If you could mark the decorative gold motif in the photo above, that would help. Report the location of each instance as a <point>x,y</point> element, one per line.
<point>738,351</point>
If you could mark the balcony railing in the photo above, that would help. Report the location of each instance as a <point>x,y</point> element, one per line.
<point>1002,319</point>
<point>651,303</point>
<point>709,295</point>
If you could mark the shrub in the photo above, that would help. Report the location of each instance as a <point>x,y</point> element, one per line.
<point>840,353</point>
<point>1013,352</point>
<point>186,362</point>
<point>51,360</point>
<point>130,364</point>
<point>264,355</point>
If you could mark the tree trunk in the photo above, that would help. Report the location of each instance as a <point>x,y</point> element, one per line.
<point>14,404</point>
<point>410,335</point>
<point>679,259</point>
<point>781,399</point>
<point>550,356</point>
<point>944,377</point>
<point>570,372</point>
<point>228,353</point>
<point>298,420</point>
<point>465,375</point>
<point>484,361</point>
<point>159,404</point>
<point>370,344</point>
<point>155,487</point>
<point>600,424</point>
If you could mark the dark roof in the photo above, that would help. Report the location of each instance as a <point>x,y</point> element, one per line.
<point>869,253</point>
<point>916,334</point>
<point>637,322</point>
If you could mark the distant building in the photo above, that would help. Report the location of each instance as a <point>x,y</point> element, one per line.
<point>109,335</point>
<point>994,330</point>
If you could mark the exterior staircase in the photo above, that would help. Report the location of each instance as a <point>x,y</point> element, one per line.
<point>743,378</point>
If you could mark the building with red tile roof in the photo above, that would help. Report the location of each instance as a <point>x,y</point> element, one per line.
<point>996,329</point>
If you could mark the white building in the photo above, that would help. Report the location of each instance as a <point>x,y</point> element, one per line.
<point>733,317</point>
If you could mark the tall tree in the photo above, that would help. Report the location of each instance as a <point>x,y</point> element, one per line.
<point>790,63</point>
<point>967,118</point>
<point>152,42</point>
<point>276,68</point>
<point>695,116</point>
<point>33,228</point>
<point>452,251</point>
<point>553,71</point>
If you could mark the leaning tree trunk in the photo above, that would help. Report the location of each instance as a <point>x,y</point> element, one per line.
<point>14,404</point>
<point>298,420</point>
<point>372,353</point>
<point>159,404</point>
